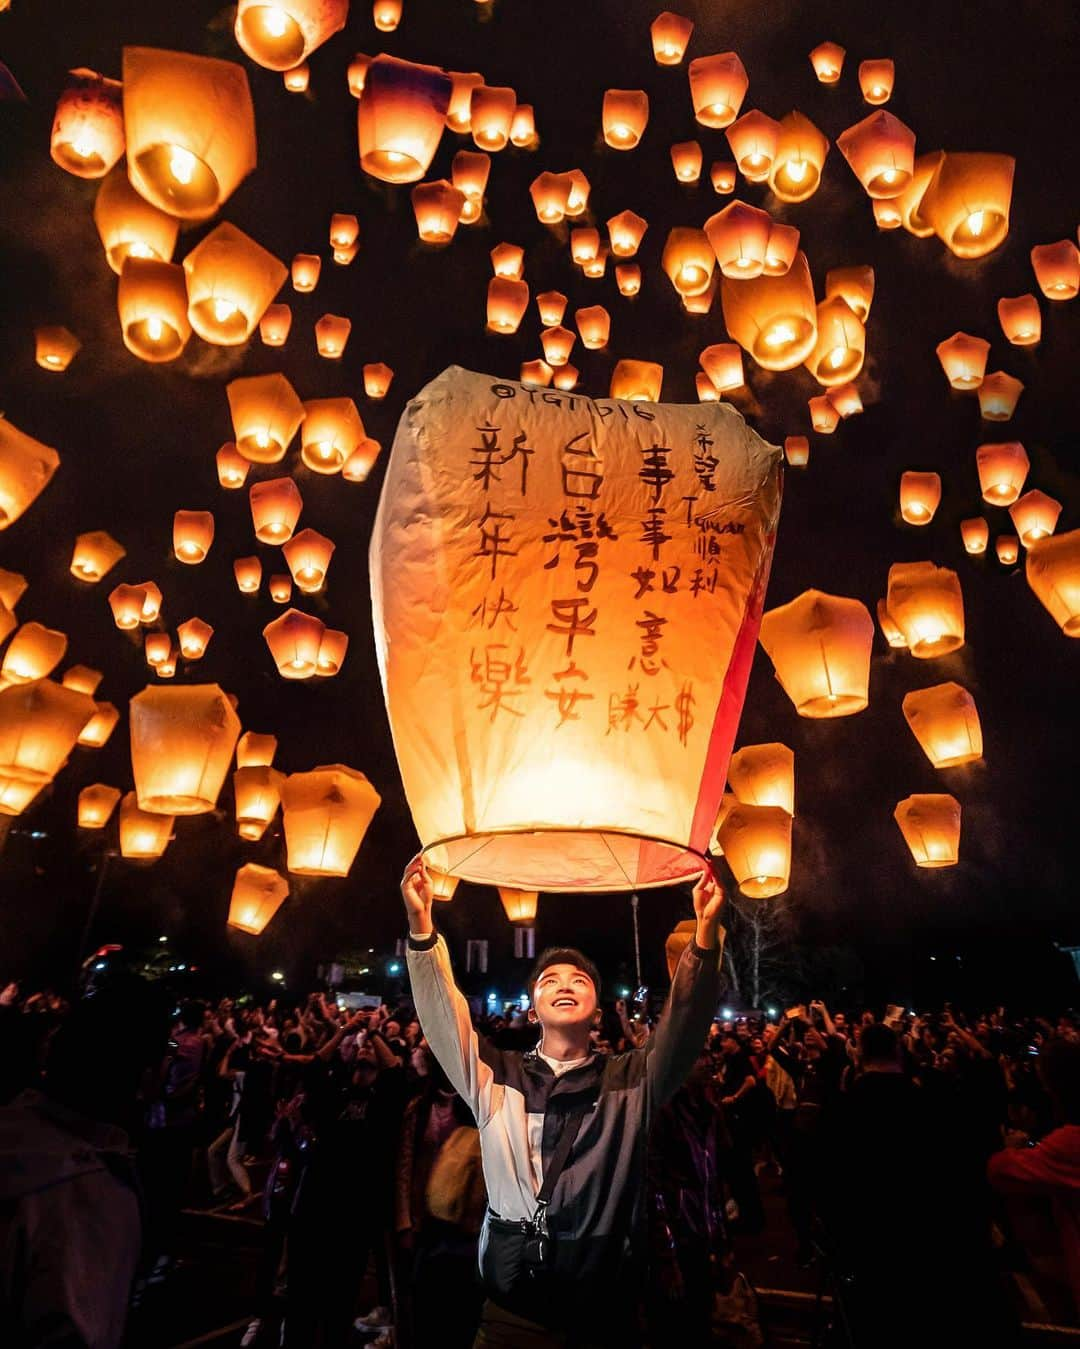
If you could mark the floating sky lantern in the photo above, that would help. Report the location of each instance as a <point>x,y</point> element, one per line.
<point>774,318</point>
<point>596,267</point>
<point>308,556</point>
<point>232,467</point>
<point>55,347</point>
<point>963,358</point>
<point>330,432</point>
<point>344,230</point>
<point>88,129</point>
<point>248,573</point>
<point>193,533</point>
<point>920,496</point>
<point>386,14</point>
<point>1007,547</point>
<point>194,637</point>
<point>360,463</point>
<point>930,824</point>
<point>704,387</point>
<point>443,886</point>
<point>753,140</point>
<point>437,207</point>
<point>584,244</point>
<point>739,236</point>
<point>257,792</point>
<point>927,605</point>
<point>637,381</point>
<point>624,117</point>
<point>280,587</point>
<point>781,249</point>
<point>889,630</point>
<point>12,584</point>
<point>401,118</point>
<point>670,35</point>
<point>182,743</point>
<point>549,192</point>
<point>975,534</point>
<point>144,835</point>
<point>230,282</point>
<point>536,373</point>
<point>296,81</point>
<point>304,271</point>
<point>157,647</point>
<point>820,648</point>
<point>151,606</point>
<point>827,58</point>
<point>332,649</point>
<point>326,815</point>
<point>257,894</point>
<point>507,302</point>
<point>255,751</point>
<point>718,85</point>
<point>909,202</point>
<point>628,278</point>
<point>96,804</point>
<point>722,363</point>
<point>469,173</point>
<point>558,344</point>
<point>876,80</point>
<point>1020,319</point>
<point>33,653</point>
<point>764,775</point>
<point>626,231</point>
<point>845,399</point>
<point>945,721</point>
<point>840,349</point>
<point>756,842</point>
<point>491,116</point>
<point>824,417</point>
<point>282,34</point>
<point>129,225</point>
<point>800,157</point>
<point>702,303</point>
<point>1034,516</point>
<point>722,176</point>
<point>887,215</point>
<point>126,602</point>
<point>566,377</point>
<point>344,256</point>
<point>152,301</point>
<point>1057,269</point>
<point>519,905</point>
<point>275,508</point>
<point>459,110</point>
<point>686,160</point>
<point>594,325</point>
<point>1053,573</point>
<point>508,261</point>
<point>95,554</point>
<point>377,380</point>
<point>82,679</point>
<point>797,451</point>
<point>967,202</point>
<point>100,727</point>
<point>294,640</point>
<point>999,394</point>
<point>881,152</point>
<point>40,723</point>
<point>523,127</point>
<point>1003,468</point>
<point>688,260</point>
<point>332,335</point>
<point>275,324</point>
<point>266,414</point>
<point>190,129</point>
<point>551,305</point>
<point>356,73</point>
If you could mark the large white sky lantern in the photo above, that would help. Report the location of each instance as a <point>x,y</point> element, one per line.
<point>566,598</point>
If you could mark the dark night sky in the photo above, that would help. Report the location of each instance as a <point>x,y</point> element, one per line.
<point>138,441</point>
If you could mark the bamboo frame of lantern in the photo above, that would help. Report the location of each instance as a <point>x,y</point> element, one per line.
<point>686,160</point>
<point>275,508</point>
<point>1034,516</point>
<point>930,825</point>
<point>1021,319</point>
<point>551,306</point>
<point>945,722</point>
<point>332,336</point>
<point>377,380</point>
<point>624,117</point>
<point>360,463</point>
<point>507,302</point>
<point>718,85</point>
<point>508,261</point>
<point>194,637</point>
<point>764,775</point>
<point>722,176</point>
<point>797,451</point>
<point>840,348</point>
<point>33,653</point>
<point>152,301</point>
<point>801,150</point>
<point>876,80</point>
<point>96,804</point>
<point>637,381</point>
<point>963,359</point>
<point>920,496</point>
<point>756,843</point>
<point>293,641</point>
<point>557,343</point>
<point>257,894</point>
<point>190,129</point>
<point>326,814</point>
<point>927,605</point>
<point>491,115</point>
<point>594,325</point>
<point>82,679</point>
<point>400,118</point>
<point>774,318</point>
<point>232,467</point>
<point>998,396</point>
<point>257,794</point>
<point>1003,468</point>
<point>266,413</point>
<point>55,347</point>
<point>182,743</point>
<point>670,35</point>
<point>459,110</point>
<point>144,836</point>
<point>126,603</point>
<point>523,127</point>
<point>88,127</point>
<point>275,324</point>
<point>628,278</point>
<point>1053,573</point>
<point>304,272</point>
<point>722,362</point>
<point>437,208</point>
<point>820,645</point>
<point>967,202</point>
<point>881,152</point>
<point>330,432</point>
<point>688,260</point>
<point>469,174</point>
<point>193,535</point>
<point>753,140</point>
<point>739,236</point>
<point>248,574</point>
<point>280,34</point>
<point>975,534</point>
<point>95,554</point>
<point>625,233</point>
<point>308,557</point>
<point>40,722</point>
<point>853,285</point>
<point>129,226</point>
<point>827,59</point>
<point>1057,269</point>
<point>280,587</point>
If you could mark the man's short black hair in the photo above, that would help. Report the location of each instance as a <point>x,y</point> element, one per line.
<point>563,955</point>
<point>877,1043</point>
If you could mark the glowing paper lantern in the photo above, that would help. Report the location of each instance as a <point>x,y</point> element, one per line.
<point>686,160</point>
<point>1053,573</point>
<point>88,129</point>
<point>100,727</point>
<point>280,588</point>
<point>722,177</point>
<point>945,721</point>
<point>797,451</point>
<point>386,14</point>
<point>594,325</point>
<point>34,652</point>
<point>845,399</point>
<point>756,842</point>
<point>152,300</point>
<point>1007,547</point>
<point>377,379</point>
<point>853,285</point>
<point>1020,319</point>
<point>824,417</point>
<point>194,637</point>
<point>357,73</point>
<point>800,156</point>
<point>248,573</point>
<point>55,347</point>
<point>670,34</point>
<point>508,261</point>
<point>82,679</point>
<point>887,214</point>
<point>549,192</point>
<point>182,742</point>
<point>595,267</point>
<point>920,496</point>
<point>598,802</point>
<point>828,61</point>
<point>332,650</point>
<point>723,364</point>
<point>963,358</point>
<point>1003,469</point>
<point>95,554</point>
<point>294,640</point>
<point>96,804</point>
<point>1057,269</point>
<point>130,226</point>
<point>275,508</point>
<point>469,173</point>
<point>344,230</point>
<point>739,235</point>
<point>881,152</point>
<point>523,127</point>
<point>331,336</point>
<point>437,207</point>
<point>519,905</point>
<point>190,129</point>
<point>718,85</point>
<point>298,79</point>
<point>774,318</point>
<point>688,260</point>
<point>999,394</point>
<point>331,431</point>
<point>820,648</point>
<point>151,606</point>
<point>584,245</point>
<point>552,307</point>
<point>876,79</point>
<point>305,271</point>
<point>255,751</point>
<point>257,894</point>
<point>753,140</point>
<point>967,202</point>
<point>266,414</point>
<point>930,824</point>
<point>193,533</point>
<point>491,115</point>
<point>12,587</point>
<point>624,117</point>
<point>401,118</point>
<point>927,605</point>
<point>1034,516</point>
<point>40,723</point>
<point>126,603</point>
<point>257,791</point>
<point>344,256</point>
<point>144,835</point>
<point>705,388</point>
<point>975,534</point>
<point>628,278</point>
<point>637,381</point>
<point>909,202</point>
<point>281,34</point>
<point>459,111</point>
<point>158,648</point>
<point>557,344</point>
<point>536,373</point>
<point>889,630</point>
<point>308,556</point>
<point>232,467</point>
<point>840,349</point>
<point>626,231</point>
<point>506,304</point>
<point>566,377</point>
<point>443,886</point>
<point>360,463</point>
<point>764,775</point>
<point>326,814</point>
<point>781,249</point>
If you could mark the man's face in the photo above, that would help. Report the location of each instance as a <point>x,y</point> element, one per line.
<point>840,1022</point>
<point>563,998</point>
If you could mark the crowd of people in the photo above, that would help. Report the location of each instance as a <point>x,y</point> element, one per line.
<point>898,1142</point>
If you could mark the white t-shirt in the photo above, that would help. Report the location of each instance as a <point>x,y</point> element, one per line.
<point>536,1122</point>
